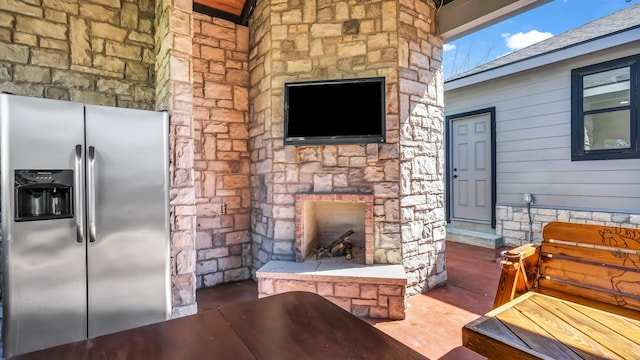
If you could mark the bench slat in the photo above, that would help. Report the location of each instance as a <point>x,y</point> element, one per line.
<point>533,335</point>
<point>593,234</point>
<point>581,325</point>
<point>595,304</point>
<point>546,314</point>
<point>562,287</point>
<point>591,255</point>
<point>594,276</point>
<point>478,337</point>
<point>622,325</point>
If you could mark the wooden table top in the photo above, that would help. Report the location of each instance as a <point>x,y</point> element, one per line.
<point>301,325</point>
<point>537,326</point>
<point>293,325</point>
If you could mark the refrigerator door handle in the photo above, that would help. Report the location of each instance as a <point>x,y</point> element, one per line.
<point>91,193</point>
<point>79,194</point>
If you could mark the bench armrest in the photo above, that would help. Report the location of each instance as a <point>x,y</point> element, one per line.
<point>519,273</point>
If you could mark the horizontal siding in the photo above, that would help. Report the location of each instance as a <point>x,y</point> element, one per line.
<point>512,153</point>
<point>542,120</point>
<point>583,168</point>
<point>533,140</point>
<point>569,178</point>
<point>541,134</point>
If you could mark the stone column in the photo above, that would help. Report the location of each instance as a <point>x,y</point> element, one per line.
<point>421,146</point>
<point>174,92</point>
<point>335,39</point>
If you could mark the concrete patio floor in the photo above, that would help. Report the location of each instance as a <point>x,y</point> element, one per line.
<point>433,320</point>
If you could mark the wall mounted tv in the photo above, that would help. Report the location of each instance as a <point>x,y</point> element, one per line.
<point>346,111</point>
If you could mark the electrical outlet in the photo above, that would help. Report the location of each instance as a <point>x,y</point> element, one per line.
<point>527,198</point>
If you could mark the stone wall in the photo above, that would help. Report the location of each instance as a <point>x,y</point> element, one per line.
<point>98,52</point>
<point>220,83</point>
<point>512,222</point>
<point>311,39</point>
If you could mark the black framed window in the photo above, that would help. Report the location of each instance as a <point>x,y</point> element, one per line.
<point>604,110</point>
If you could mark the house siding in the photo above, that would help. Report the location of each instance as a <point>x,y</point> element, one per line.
<point>533,146</point>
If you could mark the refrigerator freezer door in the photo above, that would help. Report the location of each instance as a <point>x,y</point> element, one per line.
<point>44,277</point>
<point>128,218</point>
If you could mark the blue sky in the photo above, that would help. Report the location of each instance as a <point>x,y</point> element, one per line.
<point>523,30</point>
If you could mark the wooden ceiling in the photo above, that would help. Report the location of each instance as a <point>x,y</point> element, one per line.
<point>238,11</point>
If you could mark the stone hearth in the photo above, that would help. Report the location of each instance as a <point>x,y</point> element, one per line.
<point>376,291</point>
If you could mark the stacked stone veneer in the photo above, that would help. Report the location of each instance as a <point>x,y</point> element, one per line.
<point>223,203</point>
<point>124,53</point>
<point>330,39</point>
<point>98,52</point>
<point>512,222</point>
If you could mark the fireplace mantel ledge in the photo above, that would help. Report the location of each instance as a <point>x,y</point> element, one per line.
<point>323,271</point>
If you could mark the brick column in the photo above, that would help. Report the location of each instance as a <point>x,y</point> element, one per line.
<point>174,92</point>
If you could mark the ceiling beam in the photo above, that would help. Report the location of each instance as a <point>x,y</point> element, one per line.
<point>462,17</point>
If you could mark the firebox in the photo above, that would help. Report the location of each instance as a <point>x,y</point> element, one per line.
<point>326,222</point>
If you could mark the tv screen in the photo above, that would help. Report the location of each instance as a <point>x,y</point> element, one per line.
<point>347,111</point>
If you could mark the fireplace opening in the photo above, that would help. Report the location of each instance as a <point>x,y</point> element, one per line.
<point>327,222</point>
<point>323,219</point>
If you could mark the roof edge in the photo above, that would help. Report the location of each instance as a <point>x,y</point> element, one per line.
<point>603,42</point>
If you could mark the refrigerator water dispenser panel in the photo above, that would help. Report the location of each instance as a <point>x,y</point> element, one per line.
<point>43,194</point>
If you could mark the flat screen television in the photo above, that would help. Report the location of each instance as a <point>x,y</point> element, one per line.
<point>346,111</point>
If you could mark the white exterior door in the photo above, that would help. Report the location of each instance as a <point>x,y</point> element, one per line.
<point>471,168</point>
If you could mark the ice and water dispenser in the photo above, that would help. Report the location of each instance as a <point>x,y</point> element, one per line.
<point>43,194</point>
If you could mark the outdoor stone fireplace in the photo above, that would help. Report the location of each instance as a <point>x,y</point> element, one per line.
<point>356,284</point>
<point>390,194</point>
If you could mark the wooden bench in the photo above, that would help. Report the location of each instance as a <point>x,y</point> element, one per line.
<point>576,296</point>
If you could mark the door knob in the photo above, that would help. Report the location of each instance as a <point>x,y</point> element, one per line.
<point>455,169</point>
<point>455,176</point>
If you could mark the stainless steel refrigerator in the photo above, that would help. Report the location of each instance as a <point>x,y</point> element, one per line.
<point>85,220</point>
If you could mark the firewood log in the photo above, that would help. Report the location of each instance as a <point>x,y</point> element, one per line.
<point>341,238</point>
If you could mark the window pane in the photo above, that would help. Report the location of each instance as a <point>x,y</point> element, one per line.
<point>606,89</point>
<point>610,130</point>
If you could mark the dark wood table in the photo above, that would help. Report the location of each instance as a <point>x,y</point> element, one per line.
<point>537,326</point>
<point>293,325</point>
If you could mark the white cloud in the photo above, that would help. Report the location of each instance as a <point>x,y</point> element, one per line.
<point>448,47</point>
<point>522,40</point>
